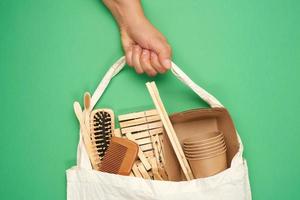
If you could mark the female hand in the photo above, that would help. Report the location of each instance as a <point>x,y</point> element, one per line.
<point>146,49</point>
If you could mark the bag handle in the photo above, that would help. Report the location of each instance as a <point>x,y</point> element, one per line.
<point>119,65</point>
<point>82,157</point>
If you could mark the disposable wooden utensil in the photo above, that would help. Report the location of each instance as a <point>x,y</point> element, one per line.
<point>147,133</point>
<point>160,139</point>
<point>163,173</point>
<point>146,147</point>
<point>120,156</point>
<point>148,154</point>
<point>91,149</point>
<point>157,149</point>
<point>131,174</point>
<point>143,171</point>
<point>155,171</point>
<point>135,115</point>
<point>169,130</point>
<point>142,127</point>
<point>136,171</point>
<point>139,121</point>
<point>140,153</point>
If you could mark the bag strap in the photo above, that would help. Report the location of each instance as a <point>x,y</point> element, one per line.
<point>82,157</point>
<point>119,65</point>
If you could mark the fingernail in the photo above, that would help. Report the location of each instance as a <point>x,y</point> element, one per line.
<point>167,63</point>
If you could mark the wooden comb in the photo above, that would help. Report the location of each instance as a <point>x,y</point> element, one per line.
<point>101,129</point>
<point>120,156</point>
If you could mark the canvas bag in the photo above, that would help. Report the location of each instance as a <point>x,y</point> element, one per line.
<point>85,183</point>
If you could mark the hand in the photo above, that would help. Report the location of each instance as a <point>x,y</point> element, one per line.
<point>146,49</point>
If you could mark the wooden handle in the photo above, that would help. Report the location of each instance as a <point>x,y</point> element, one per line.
<point>172,132</point>
<point>92,153</point>
<point>169,130</point>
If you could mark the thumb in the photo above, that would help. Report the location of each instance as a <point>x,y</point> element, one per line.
<point>163,50</point>
<point>127,46</point>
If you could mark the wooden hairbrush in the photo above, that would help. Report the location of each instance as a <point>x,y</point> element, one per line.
<point>101,129</point>
<point>91,150</point>
<point>97,128</point>
<point>120,156</point>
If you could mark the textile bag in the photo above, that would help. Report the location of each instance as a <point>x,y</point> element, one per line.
<point>85,183</point>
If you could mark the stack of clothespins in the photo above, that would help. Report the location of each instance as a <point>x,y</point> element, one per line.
<point>145,128</point>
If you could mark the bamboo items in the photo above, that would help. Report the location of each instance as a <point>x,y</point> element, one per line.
<point>145,128</point>
<point>91,149</point>
<point>97,129</point>
<point>101,124</point>
<point>140,153</point>
<point>143,171</point>
<point>155,171</point>
<point>135,171</point>
<point>169,130</point>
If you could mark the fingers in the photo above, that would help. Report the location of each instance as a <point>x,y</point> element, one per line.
<point>156,64</point>
<point>128,47</point>
<point>128,56</point>
<point>164,56</point>
<point>144,60</point>
<point>146,50</point>
<point>136,54</point>
<point>163,49</point>
<point>145,63</point>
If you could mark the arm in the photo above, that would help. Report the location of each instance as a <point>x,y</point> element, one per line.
<point>146,49</point>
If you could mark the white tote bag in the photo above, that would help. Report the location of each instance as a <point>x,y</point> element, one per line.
<point>85,183</point>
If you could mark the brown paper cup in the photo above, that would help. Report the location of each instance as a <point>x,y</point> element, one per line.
<point>207,154</point>
<point>203,138</point>
<point>213,148</point>
<point>208,166</point>
<point>203,146</point>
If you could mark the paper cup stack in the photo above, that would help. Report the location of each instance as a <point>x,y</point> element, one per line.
<point>206,153</point>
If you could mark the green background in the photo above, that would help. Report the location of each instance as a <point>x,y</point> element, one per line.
<point>246,53</point>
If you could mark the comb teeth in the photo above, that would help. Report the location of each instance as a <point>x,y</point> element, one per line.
<point>113,158</point>
<point>120,156</point>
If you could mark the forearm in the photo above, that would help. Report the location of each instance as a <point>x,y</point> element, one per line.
<point>125,12</point>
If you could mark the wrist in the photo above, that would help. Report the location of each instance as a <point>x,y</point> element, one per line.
<point>126,12</point>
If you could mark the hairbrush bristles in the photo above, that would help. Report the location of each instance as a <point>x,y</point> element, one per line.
<point>101,129</point>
